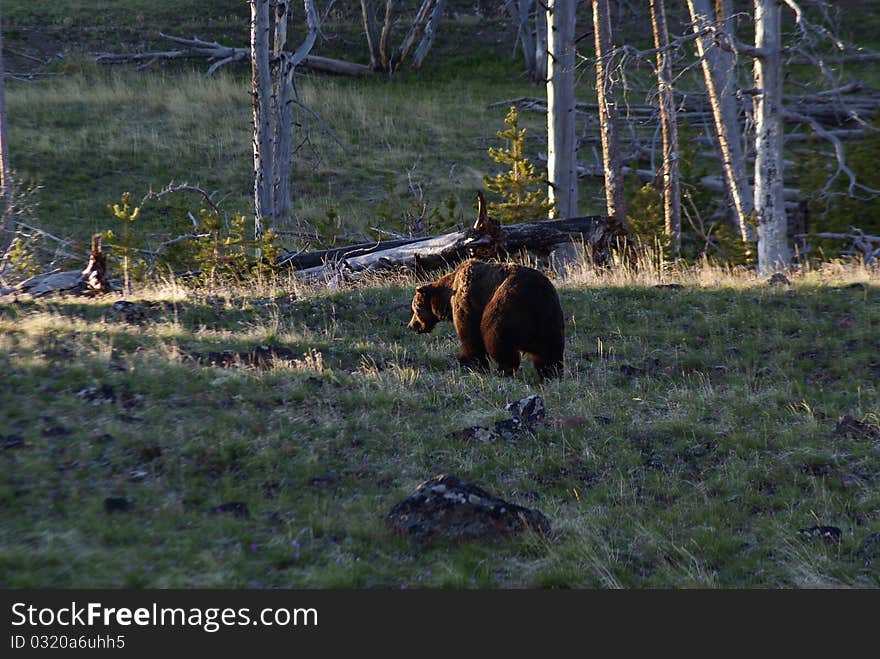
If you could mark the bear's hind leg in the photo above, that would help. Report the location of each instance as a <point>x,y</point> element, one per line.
<point>547,368</point>
<point>473,351</point>
<point>508,359</point>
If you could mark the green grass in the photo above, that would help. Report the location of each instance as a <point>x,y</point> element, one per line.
<point>155,128</point>
<point>707,440</point>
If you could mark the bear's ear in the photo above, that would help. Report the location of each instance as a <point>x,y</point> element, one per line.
<point>424,290</point>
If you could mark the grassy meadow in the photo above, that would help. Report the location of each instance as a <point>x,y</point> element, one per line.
<point>158,128</point>
<point>692,438</point>
<point>697,430</point>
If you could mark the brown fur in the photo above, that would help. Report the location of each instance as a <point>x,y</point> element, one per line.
<point>499,312</point>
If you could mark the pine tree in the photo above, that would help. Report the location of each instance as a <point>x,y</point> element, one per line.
<point>124,242</point>
<point>521,202</point>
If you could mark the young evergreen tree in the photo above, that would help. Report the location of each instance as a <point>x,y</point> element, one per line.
<point>521,187</point>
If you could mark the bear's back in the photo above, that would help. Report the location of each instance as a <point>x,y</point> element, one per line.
<point>477,280</point>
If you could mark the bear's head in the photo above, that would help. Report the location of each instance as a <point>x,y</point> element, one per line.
<point>430,305</point>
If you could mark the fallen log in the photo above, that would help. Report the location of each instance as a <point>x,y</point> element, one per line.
<point>92,280</point>
<point>222,55</point>
<point>336,66</point>
<point>51,282</point>
<point>303,260</point>
<point>598,233</point>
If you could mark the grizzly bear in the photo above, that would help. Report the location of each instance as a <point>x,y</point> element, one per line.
<point>499,311</point>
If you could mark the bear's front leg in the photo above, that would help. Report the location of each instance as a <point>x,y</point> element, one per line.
<point>467,326</point>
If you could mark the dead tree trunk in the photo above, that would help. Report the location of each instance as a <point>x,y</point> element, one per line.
<point>426,20</point>
<point>562,177</point>
<point>6,229</point>
<point>262,101</point>
<point>384,57</point>
<point>371,31</point>
<point>541,56</point>
<point>718,71</point>
<point>615,198</point>
<point>95,274</point>
<point>669,127</point>
<point>282,111</point>
<point>773,250</point>
<point>408,41</point>
<point>428,37</point>
<point>520,10</point>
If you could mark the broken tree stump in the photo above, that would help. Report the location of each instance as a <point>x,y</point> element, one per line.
<point>95,274</point>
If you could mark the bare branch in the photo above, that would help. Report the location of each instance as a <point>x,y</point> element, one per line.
<point>114,58</point>
<point>862,243</point>
<point>428,36</point>
<point>182,187</point>
<point>726,42</point>
<point>323,123</point>
<point>305,47</point>
<point>839,154</point>
<point>416,27</point>
<point>806,26</point>
<point>673,45</point>
<point>223,62</point>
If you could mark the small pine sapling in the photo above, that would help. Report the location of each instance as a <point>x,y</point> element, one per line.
<point>124,242</point>
<point>521,187</point>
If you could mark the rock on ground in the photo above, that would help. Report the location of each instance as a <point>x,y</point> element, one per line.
<point>448,508</point>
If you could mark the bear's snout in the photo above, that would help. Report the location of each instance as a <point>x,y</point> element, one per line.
<point>416,326</point>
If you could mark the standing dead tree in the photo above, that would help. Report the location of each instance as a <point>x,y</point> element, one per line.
<point>561,143</point>
<point>539,76</point>
<point>814,107</point>
<point>423,27</point>
<point>773,251</point>
<point>264,196</point>
<point>669,127</point>
<point>615,199</point>
<point>282,110</point>
<point>520,11</point>
<point>719,74</point>
<point>272,69</point>
<point>532,40</point>
<point>5,180</point>
<point>284,65</point>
